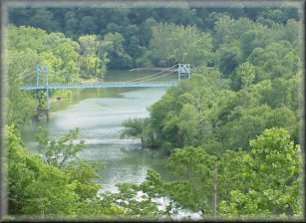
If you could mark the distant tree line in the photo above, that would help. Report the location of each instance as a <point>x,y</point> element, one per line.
<point>130,28</point>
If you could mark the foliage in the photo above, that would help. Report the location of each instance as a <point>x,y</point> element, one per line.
<point>277,60</point>
<point>273,174</point>
<point>20,105</point>
<point>92,60</point>
<point>135,204</point>
<point>171,44</point>
<point>34,187</point>
<point>45,191</point>
<point>195,167</point>
<point>54,50</point>
<point>56,152</point>
<point>115,49</point>
<point>212,112</point>
<point>246,73</point>
<point>135,128</point>
<point>134,25</point>
<point>263,182</point>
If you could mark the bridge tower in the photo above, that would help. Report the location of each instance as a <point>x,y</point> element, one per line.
<point>183,71</point>
<point>42,95</point>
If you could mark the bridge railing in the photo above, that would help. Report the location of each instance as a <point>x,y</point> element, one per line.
<point>100,85</point>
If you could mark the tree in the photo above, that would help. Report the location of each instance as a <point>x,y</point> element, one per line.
<point>259,37</point>
<point>232,167</point>
<point>135,128</point>
<point>44,191</point>
<point>82,174</point>
<point>44,19</point>
<point>51,194</point>
<point>246,72</point>
<point>119,58</point>
<point>227,30</point>
<point>279,59</point>
<point>92,61</point>
<point>195,169</point>
<point>21,105</point>
<point>277,15</point>
<point>21,38</point>
<point>146,31</point>
<point>67,52</point>
<point>172,44</point>
<point>57,152</point>
<point>21,169</point>
<point>87,25</point>
<point>273,172</point>
<point>70,24</point>
<point>133,202</point>
<point>243,125</point>
<point>34,187</point>
<point>187,124</point>
<point>229,56</point>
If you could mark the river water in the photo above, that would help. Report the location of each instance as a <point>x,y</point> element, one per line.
<point>99,113</point>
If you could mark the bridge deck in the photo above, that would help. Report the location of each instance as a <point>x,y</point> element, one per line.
<point>101,85</point>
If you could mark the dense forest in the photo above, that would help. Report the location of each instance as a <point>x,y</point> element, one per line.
<point>232,131</point>
<point>130,29</point>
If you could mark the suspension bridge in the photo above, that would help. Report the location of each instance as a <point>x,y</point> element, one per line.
<point>43,89</point>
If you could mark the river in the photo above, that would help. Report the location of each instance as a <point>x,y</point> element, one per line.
<point>99,113</point>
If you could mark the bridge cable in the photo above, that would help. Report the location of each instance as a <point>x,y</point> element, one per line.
<point>143,78</point>
<point>155,77</point>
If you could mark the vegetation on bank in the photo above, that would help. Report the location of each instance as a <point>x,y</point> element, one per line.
<point>231,131</point>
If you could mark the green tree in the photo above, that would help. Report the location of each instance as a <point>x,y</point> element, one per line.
<point>21,38</point>
<point>44,19</point>
<point>70,24</point>
<point>227,30</point>
<point>259,37</point>
<point>232,167</point>
<point>82,174</point>
<point>67,52</point>
<point>246,72</point>
<point>195,169</point>
<point>45,191</point>
<point>114,46</point>
<point>51,194</point>
<point>187,124</point>
<point>273,173</point>
<point>135,128</point>
<point>87,25</point>
<point>134,203</point>
<point>34,187</point>
<point>92,61</point>
<point>243,126</point>
<point>172,44</point>
<point>21,105</point>
<point>229,56</point>
<point>56,152</point>
<point>279,59</point>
